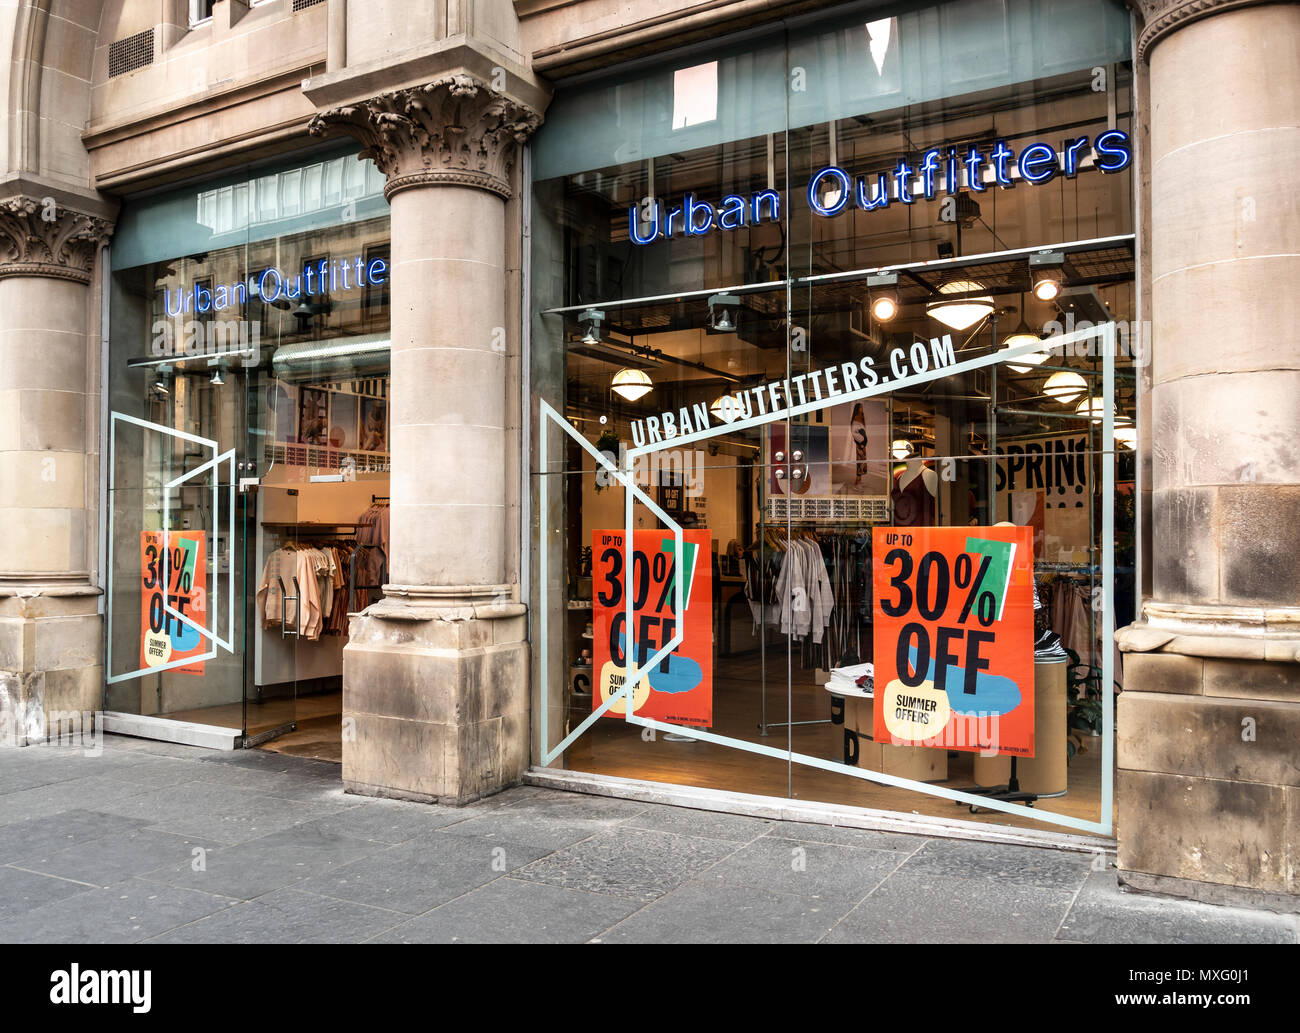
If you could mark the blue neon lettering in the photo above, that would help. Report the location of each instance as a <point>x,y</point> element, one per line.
<point>841,178</point>
<point>902,182</point>
<point>1113,151</point>
<point>880,196</point>
<point>261,284</point>
<point>774,205</point>
<point>1072,149</point>
<point>633,222</point>
<point>733,205</point>
<point>1001,152</point>
<point>929,163</point>
<point>974,177</point>
<point>1037,163</point>
<point>693,229</point>
<point>377,271</point>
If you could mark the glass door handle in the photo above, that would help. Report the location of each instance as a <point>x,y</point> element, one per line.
<point>285,599</point>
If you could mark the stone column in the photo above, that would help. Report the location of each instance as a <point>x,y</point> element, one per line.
<point>1209,723</point>
<point>435,677</point>
<point>50,640</point>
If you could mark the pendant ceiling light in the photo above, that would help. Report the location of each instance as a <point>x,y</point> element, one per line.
<point>1092,407</point>
<point>632,383</point>
<point>901,448</point>
<point>963,311</point>
<point>1126,436</point>
<point>725,408</point>
<point>1065,387</point>
<point>1023,335</point>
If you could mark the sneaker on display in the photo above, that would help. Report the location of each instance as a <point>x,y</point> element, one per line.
<point>1048,647</point>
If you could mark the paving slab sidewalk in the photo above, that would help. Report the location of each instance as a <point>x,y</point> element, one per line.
<point>153,842</point>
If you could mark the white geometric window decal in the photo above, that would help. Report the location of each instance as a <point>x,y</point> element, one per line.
<point>214,464</point>
<point>1105,333</point>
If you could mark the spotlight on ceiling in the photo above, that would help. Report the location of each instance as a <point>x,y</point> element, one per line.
<point>1047,272</point>
<point>722,313</point>
<point>882,289</point>
<point>958,308</point>
<point>632,383</point>
<point>591,320</point>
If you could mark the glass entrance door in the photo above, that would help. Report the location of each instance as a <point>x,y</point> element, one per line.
<point>210,594</point>
<point>175,617</point>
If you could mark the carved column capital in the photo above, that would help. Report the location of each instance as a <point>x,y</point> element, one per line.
<point>1161,17</point>
<point>455,130</point>
<point>40,237</point>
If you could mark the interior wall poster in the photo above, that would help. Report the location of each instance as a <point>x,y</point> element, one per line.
<point>344,420</point>
<point>954,648</point>
<point>859,448</point>
<point>181,581</point>
<point>374,425</point>
<point>680,689</point>
<point>313,417</point>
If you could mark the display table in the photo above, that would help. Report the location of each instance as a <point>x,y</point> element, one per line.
<point>1044,774</point>
<point>918,763</point>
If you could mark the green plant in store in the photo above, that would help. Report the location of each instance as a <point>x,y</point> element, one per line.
<point>607,442</point>
<point>1083,714</point>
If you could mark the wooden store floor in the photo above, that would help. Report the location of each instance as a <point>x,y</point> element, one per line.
<point>319,734</point>
<point>613,748</point>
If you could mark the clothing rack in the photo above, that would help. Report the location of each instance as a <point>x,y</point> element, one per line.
<point>842,636</point>
<point>353,587</point>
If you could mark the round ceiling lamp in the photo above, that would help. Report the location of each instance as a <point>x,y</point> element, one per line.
<point>1064,387</point>
<point>632,383</point>
<point>1092,407</point>
<point>964,311</point>
<point>901,448</point>
<point>1021,336</point>
<point>725,408</point>
<point>1024,363</point>
<point>1126,436</point>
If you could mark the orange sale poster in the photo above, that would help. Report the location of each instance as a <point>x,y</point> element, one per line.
<point>954,638</point>
<point>181,578</point>
<point>678,689</point>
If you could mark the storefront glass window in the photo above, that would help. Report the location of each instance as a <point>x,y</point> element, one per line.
<point>248,398</point>
<point>726,243</point>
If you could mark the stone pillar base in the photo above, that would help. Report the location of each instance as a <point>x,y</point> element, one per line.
<point>51,667</point>
<point>1208,782</point>
<point>435,694</point>
<point>1210,892</point>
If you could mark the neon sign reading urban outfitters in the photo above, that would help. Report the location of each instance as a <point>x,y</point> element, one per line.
<point>831,189</point>
<point>324,277</point>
